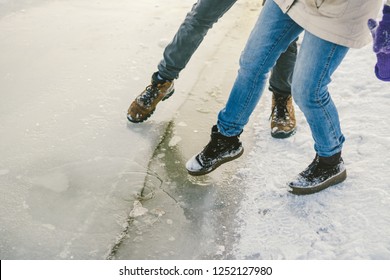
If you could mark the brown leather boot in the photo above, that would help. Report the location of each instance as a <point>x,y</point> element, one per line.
<point>283,122</point>
<point>144,104</point>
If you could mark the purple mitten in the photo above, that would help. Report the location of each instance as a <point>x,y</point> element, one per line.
<point>382,67</point>
<point>381,35</point>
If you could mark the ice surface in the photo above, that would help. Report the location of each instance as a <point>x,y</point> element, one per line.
<point>78,181</point>
<point>71,166</point>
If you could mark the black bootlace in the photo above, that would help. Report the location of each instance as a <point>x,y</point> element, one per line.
<point>150,94</point>
<point>280,108</point>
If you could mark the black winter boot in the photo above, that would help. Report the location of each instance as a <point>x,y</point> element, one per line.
<point>219,150</point>
<point>322,173</point>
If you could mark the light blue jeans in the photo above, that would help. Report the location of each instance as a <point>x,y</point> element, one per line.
<point>316,61</point>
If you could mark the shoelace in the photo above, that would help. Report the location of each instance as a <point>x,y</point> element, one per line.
<point>280,108</point>
<point>150,94</point>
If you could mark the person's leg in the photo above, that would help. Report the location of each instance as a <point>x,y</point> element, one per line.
<point>198,21</point>
<point>282,118</point>
<point>282,73</point>
<point>316,62</point>
<point>271,36</point>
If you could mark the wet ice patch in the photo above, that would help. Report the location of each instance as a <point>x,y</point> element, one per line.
<point>3,172</point>
<point>174,141</point>
<point>93,196</point>
<point>56,181</point>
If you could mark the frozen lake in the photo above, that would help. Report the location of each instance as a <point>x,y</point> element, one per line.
<point>78,181</point>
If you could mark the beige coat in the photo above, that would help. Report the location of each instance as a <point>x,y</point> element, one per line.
<point>343,22</point>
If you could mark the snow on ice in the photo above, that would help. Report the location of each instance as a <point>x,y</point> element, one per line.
<point>80,182</point>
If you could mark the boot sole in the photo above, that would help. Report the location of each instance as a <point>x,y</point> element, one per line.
<point>330,182</point>
<point>151,113</point>
<point>216,165</point>
<point>282,134</point>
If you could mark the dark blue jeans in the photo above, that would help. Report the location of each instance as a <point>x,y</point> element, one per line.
<point>191,32</point>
